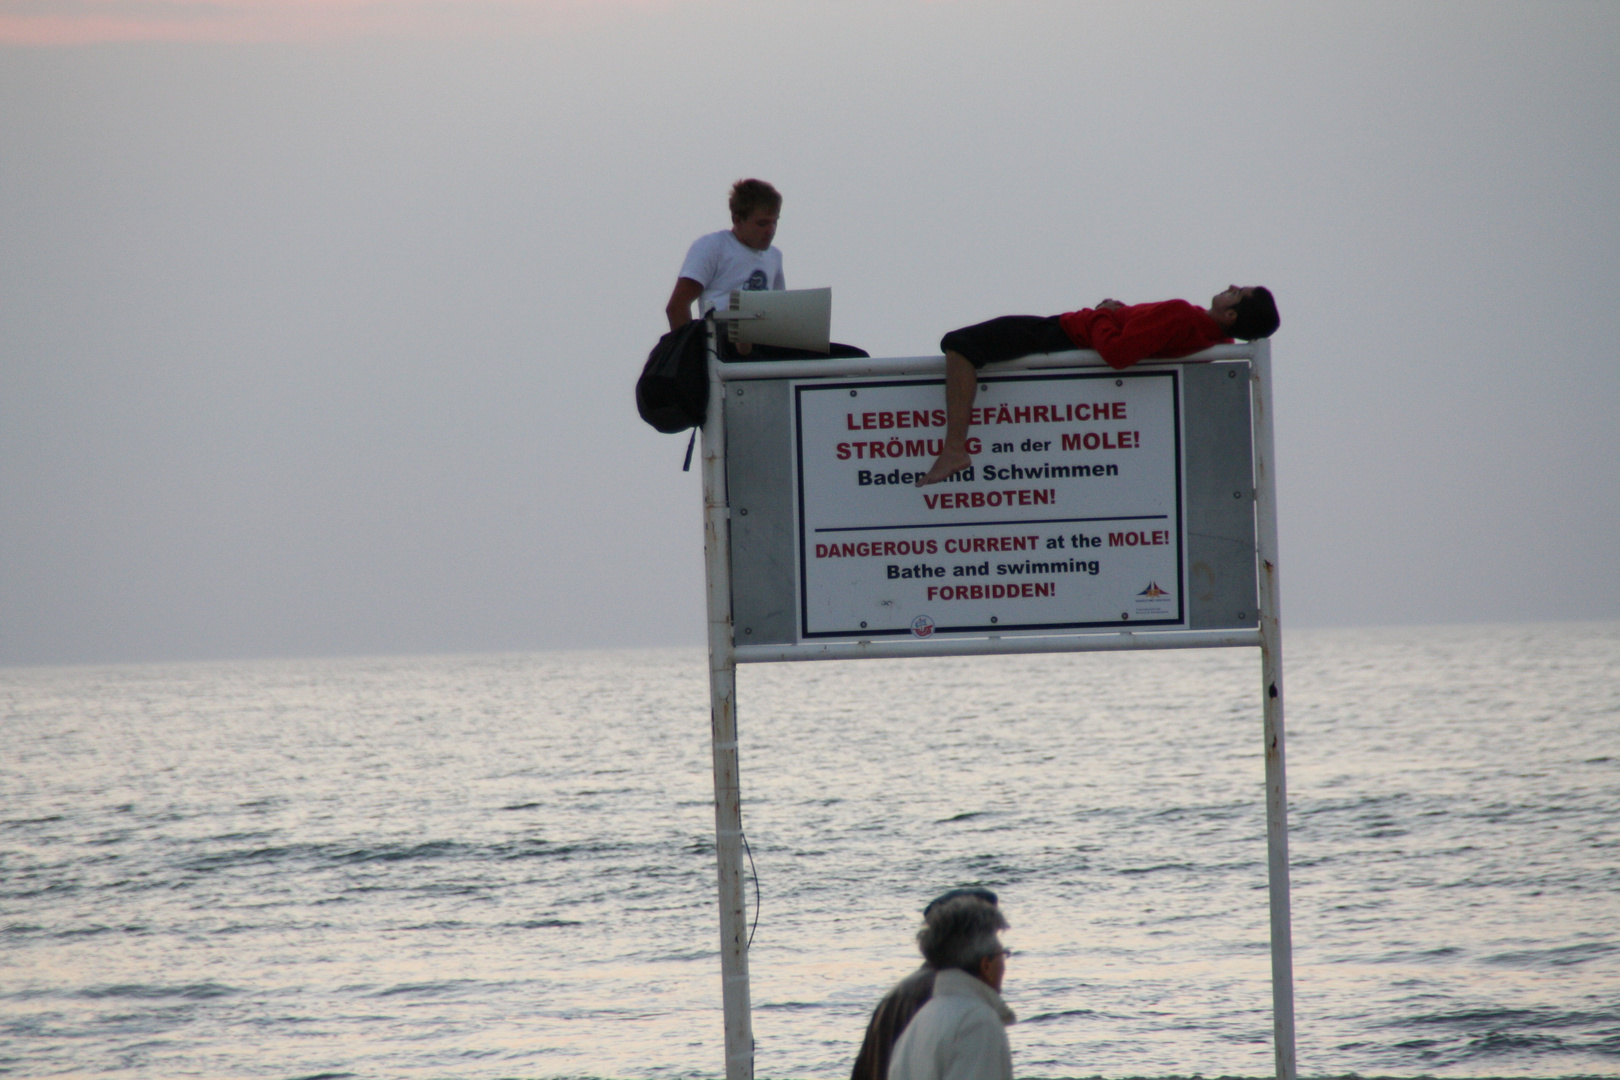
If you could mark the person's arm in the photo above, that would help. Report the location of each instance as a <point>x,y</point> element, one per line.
<point>679,308</point>
<point>1123,336</point>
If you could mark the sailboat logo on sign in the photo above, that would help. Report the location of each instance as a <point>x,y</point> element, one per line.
<point>1151,601</point>
<point>922,626</point>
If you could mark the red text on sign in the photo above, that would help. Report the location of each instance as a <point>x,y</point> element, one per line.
<point>1156,538</point>
<point>1028,590</point>
<point>965,500</point>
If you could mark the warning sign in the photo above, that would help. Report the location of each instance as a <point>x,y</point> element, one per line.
<point>1069,516</point>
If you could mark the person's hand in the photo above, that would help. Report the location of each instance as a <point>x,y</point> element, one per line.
<point>1109,305</point>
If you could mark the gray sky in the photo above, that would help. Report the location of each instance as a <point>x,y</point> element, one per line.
<point>322,339</point>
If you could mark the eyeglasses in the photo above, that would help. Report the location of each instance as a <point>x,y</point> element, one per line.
<point>1008,953</point>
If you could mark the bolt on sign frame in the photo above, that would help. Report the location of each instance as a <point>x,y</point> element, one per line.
<point>1172,462</point>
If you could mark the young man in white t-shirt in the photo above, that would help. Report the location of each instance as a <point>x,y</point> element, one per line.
<point>739,258</point>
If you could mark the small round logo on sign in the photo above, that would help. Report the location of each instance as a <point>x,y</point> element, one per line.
<point>922,626</point>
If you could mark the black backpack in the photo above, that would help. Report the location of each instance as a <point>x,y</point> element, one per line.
<point>673,391</point>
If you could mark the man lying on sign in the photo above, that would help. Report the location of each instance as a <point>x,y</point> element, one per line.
<point>1122,334</point>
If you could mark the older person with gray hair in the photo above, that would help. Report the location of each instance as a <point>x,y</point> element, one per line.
<point>904,1001</point>
<point>961,1033</point>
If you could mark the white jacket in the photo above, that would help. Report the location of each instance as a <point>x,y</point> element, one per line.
<point>959,1035</point>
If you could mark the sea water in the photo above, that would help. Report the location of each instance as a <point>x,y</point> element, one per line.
<point>503,866</point>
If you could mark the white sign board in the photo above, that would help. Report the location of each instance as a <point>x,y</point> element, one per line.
<point>1070,516</point>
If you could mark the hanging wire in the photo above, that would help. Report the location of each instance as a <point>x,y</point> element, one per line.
<point>755,872</point>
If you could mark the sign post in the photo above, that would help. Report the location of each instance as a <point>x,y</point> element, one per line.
<point>723,728</point>
<point>1103,511</point>
<point>1271,689</point>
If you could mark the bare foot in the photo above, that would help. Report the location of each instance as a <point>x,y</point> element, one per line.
<point>949,461</point>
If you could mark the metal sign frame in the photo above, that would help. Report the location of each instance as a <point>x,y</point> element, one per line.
<point>793,445</point>
<point>725,654</point>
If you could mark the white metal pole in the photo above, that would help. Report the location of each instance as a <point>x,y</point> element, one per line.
<point>723,723</point>
<point>1271,685</point>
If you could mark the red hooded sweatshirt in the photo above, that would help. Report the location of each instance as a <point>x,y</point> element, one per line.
<point>1125,335</point>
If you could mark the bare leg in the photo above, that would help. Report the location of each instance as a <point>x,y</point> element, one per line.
<point>961,386</point>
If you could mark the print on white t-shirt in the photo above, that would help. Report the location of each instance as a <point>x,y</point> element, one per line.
<point>720,263</point>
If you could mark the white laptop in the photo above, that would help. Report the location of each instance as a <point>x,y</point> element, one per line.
<point>791,318</point>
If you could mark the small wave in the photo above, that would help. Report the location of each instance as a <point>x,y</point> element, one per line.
<point>545,849</point>
<point>1467,1017</point>
<point>148,991</point>
<point>1352,804</point>
<point>249,857</point>
<point>683,957</point>
<point>1219,812</point>
<point>1485,1033</point>
<point>1563,956</point>
<point>1509,1044</point>
<point>541,924</point>
<point>341,854</point>
<point>1041,1018</point>
<point>427,989</point>
<point>442,889</point>
<point>55,888</point>
<point>18,823</point>
<point>442,924</point>
<point>1413,956</point>
<point>433,849</point>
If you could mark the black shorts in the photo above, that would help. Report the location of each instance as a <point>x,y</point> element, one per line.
<point>1007,338</point>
